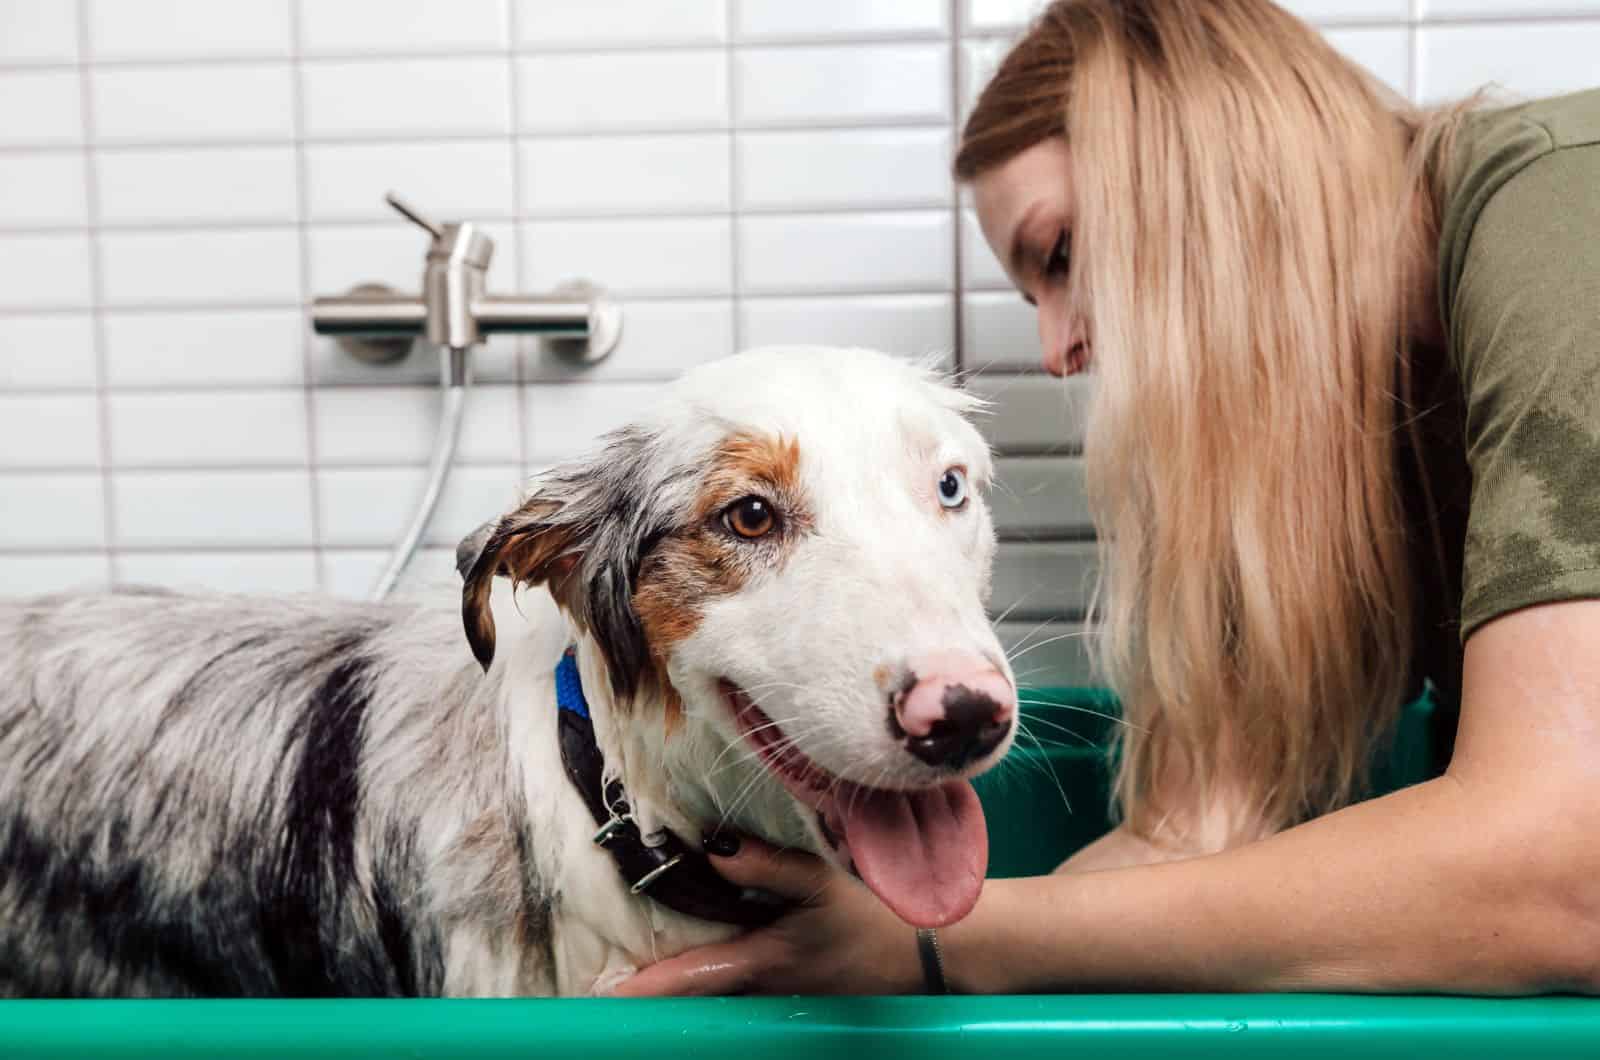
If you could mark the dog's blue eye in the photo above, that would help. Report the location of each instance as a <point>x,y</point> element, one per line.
<point>953,488</point>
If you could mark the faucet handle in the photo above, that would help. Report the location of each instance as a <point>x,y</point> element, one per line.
<point>410,213</point>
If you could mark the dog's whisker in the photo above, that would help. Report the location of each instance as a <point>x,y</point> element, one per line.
<point>1060,789</point>
<point>1018,602</point>
<point>1079,739</point>
<point>1026,637</point>
<point>1074,708</point>
<point>1074,635</point>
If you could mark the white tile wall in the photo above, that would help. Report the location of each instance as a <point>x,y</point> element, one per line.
<point>844,169</point>
<point>220,185</point>
<point>456,178</point>
<point>648,256</point>
<point>842,84</point>
<point>43,191</point>
<point>49,430</point>
<point>38,31</point>
<point>1523,59</point>
<point>212,509</point>
<point>566,175</point>
<point>846,252</point>
<point>287,571</point>
<point>564,421</point>
<point>46,351</point>
<point>661,339</point>
<point>613,23</point>
<point>914,325</point>
<point>395,425</point>
<point>44,271</point>
<point>177,177</point>
<point>208,428</point>
<point>203,102</point>
<point>407,97</point>
<point>29,574</point>
<point>786,20</point>
<point>52,512</point>
<point>200,266</point>
<point>599,91</point>
<point>188,29</point>
<point>400,27</point>
<point>199,348</point>
<point>40,107</point>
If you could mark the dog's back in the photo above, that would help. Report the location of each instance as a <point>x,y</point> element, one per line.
<point>182,785</point>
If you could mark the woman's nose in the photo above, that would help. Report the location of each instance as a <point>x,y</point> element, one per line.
<point>1056,339</point>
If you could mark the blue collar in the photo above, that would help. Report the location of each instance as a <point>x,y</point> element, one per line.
<point>569,687</point>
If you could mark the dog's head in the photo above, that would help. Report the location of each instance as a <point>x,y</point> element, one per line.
<point>793,550</point>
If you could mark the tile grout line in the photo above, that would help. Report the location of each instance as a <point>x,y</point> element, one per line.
<point>102,358</point>
<point>302,235</point>
<point>519,254</point>
<point>958,351</point>
<point>735,270</point>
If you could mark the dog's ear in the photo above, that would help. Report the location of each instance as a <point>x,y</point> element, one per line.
<point>582,534</point>
<point>531,547</point>
<point>471,547</point>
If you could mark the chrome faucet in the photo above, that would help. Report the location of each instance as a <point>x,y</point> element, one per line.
<point>455,313</point>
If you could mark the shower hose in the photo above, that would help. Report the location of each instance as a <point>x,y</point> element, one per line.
<point>453,400</point>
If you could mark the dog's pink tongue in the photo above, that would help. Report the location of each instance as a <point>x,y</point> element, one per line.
<point>923,853</point>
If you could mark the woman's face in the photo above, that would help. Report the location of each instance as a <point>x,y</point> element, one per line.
<point>1026,211</point>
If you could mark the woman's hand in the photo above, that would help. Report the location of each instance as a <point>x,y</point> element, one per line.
<point>839,940</point>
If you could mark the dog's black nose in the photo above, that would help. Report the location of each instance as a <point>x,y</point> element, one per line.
<point>972,726</point>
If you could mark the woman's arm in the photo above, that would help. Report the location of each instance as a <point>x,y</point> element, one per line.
<point>1486,880</point>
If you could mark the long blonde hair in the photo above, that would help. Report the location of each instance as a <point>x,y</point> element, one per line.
<point>1252,211</point>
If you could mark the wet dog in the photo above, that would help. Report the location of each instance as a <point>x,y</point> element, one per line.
<point>759,608</point>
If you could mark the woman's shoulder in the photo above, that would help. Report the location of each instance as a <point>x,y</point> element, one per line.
<point>1522,308</point>
<point>1497,146</point>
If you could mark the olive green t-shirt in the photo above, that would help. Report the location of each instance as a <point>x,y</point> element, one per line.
<point>1519,274</point>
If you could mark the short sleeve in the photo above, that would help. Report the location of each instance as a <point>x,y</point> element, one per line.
<point>1525,330</point>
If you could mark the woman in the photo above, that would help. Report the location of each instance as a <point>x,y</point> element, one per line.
<point>1346,439</point>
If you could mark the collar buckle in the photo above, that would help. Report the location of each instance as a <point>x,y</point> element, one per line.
<point>611,827</point>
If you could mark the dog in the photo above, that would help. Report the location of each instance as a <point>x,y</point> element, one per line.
<point>759,608</point>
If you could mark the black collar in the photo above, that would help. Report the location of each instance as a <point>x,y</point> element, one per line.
<point>667,870</point>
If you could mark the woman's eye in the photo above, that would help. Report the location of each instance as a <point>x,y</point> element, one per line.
<point>750,517</point>
<point>1059,261</point>
<point>953,488</point>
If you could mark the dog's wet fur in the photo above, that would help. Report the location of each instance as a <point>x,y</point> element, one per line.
<point>233,795</point>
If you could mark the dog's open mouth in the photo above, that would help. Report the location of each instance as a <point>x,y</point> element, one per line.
<point>923,852</point>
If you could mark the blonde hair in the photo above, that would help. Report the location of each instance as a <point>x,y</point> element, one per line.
<point>1252,212</point>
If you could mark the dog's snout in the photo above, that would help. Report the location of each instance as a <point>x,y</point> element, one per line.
<point>952,715</point>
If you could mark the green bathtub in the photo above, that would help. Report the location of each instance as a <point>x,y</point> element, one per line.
<point>1042,806</point>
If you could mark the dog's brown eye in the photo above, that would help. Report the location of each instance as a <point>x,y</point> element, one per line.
<point>750,517</point>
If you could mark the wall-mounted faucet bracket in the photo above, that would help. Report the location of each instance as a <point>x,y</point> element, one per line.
<point>377,324</point>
